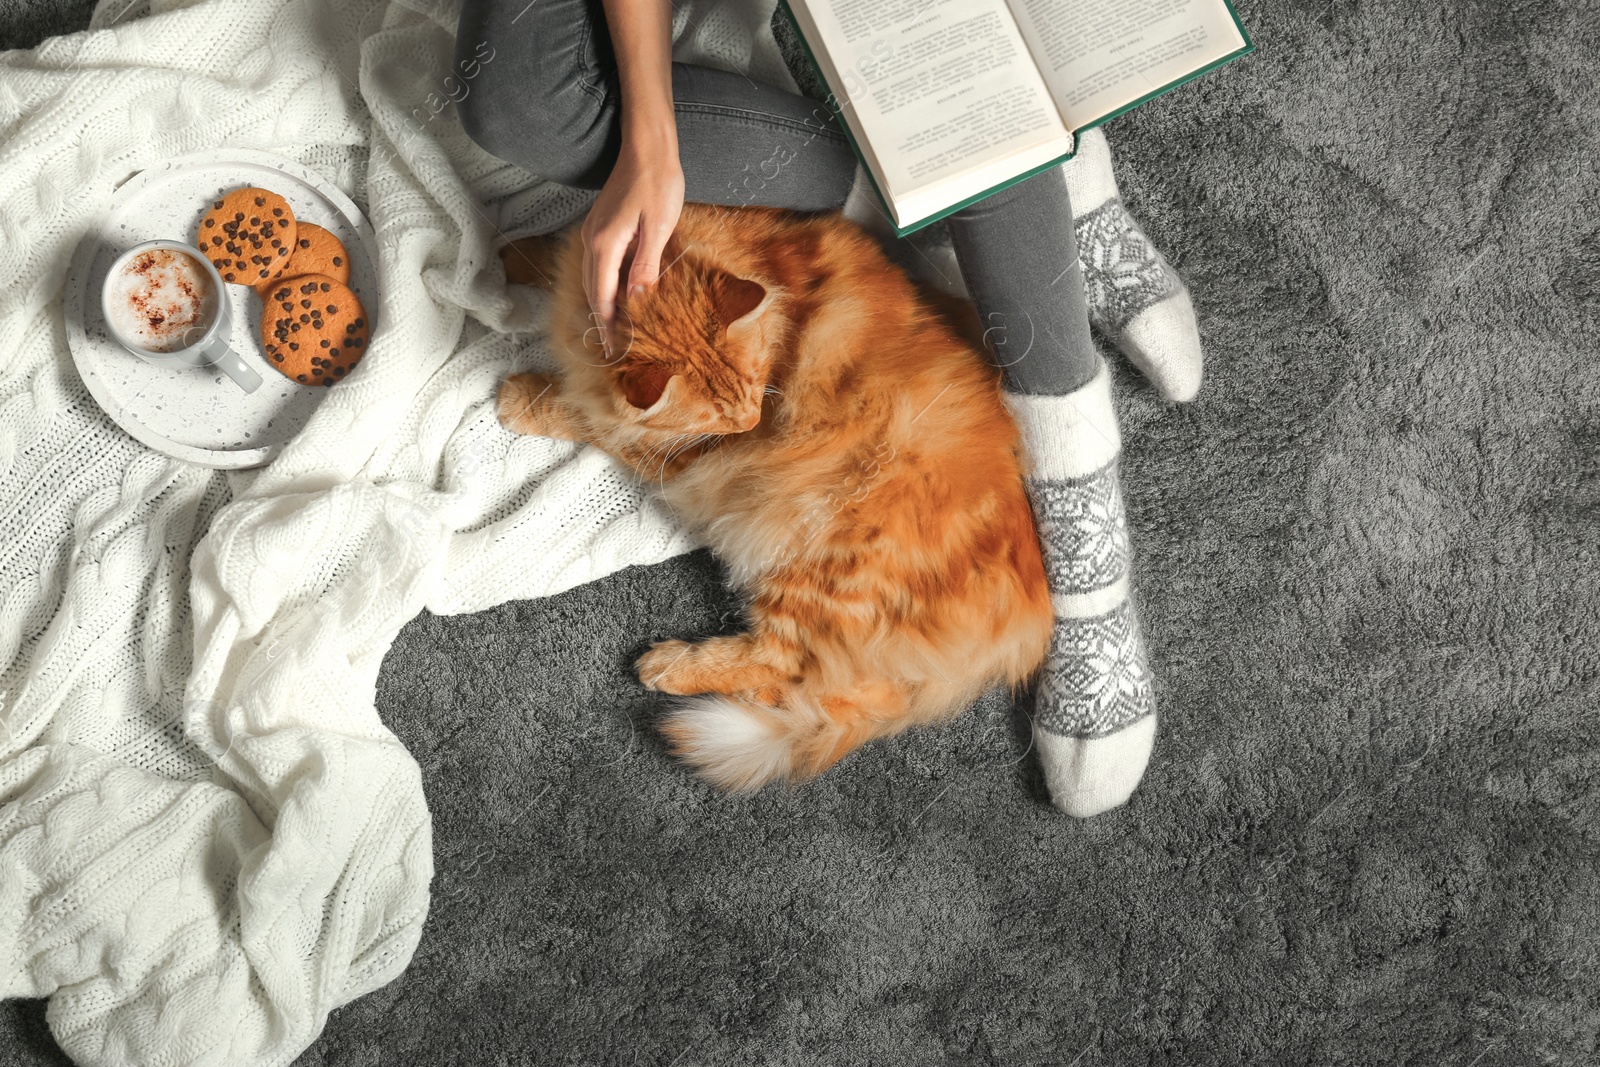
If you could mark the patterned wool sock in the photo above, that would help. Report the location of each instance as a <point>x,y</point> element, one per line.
<point>1135,297</point>
<point>1094,713</point>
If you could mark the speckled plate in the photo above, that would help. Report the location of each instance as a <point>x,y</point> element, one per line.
<point>196,413</point>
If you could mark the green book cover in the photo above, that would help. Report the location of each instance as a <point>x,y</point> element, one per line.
<point>833,105</point>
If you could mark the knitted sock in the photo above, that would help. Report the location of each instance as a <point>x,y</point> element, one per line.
<point>1135,297</point>
<point>1094,711</point>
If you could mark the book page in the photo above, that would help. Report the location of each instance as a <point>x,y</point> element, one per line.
<point>938,93</point>
<point>1101,55</point>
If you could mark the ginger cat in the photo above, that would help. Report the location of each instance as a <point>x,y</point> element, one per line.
<point>845,453</point>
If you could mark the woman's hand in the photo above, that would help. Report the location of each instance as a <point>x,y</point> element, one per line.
<point>637,208</point>
<point>640,202</point>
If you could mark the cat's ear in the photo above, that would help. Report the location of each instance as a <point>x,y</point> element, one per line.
<point>735,297</point>
<point>643,383</point>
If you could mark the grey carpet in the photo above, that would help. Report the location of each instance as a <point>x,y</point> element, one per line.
<point>25,23</point>
<point>1371,831</point>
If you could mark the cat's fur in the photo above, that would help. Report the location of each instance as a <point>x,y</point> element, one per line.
<point>844,452</point>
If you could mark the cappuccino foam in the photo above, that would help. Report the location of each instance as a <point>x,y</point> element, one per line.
<point>157,296</point>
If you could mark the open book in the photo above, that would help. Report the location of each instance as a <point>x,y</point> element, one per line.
<point>948,101</point>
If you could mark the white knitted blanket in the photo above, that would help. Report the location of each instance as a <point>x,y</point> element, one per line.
<point>208,838</point>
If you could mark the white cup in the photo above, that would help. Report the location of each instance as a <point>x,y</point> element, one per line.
<point>204,344</point>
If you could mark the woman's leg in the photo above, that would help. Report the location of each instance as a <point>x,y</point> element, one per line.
<point>1094,710</point>
<point>549,102</point>
<point>1019,258</point>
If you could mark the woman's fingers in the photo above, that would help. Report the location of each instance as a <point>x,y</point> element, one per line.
<point>647,260</point>
<point>603,255</point>
<point>605,263</point>
<point>589,287</point>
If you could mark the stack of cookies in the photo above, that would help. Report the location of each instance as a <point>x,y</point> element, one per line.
<point>313,327</point>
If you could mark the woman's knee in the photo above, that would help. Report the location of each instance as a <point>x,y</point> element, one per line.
<point>534,98</point>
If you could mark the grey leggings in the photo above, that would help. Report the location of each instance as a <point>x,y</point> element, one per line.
<point>549,102</point>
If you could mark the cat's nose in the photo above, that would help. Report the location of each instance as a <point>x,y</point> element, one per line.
<point>751,420</point>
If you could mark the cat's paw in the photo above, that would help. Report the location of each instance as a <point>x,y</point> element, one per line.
<point>526,402</point>
<point>666,666</point>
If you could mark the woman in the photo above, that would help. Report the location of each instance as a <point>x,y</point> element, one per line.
<point>584,92</point>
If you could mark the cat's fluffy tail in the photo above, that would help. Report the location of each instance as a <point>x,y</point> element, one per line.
<point>740,744</point>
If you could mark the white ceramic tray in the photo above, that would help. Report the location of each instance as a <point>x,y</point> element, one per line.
<point>196,413</point>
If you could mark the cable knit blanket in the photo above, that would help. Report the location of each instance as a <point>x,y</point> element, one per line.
<point>208,839</point>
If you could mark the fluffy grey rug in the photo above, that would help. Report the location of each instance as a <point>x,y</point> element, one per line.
<point>1370,573</point>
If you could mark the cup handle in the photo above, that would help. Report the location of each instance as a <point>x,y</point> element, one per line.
<point>243,375</point>
<point>230,363</point>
